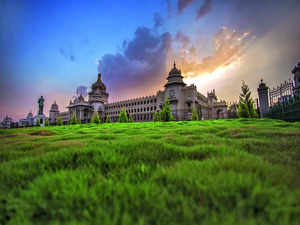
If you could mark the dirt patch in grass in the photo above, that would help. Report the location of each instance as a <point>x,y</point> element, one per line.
<point>68,143</point>
<point>273,133</point>
<point>251,127</point>
<point>42,133</point>
<point>14,135</point>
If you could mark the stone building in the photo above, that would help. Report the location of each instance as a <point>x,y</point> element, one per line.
<point>7,122</point>
<point>28,121</point>
<point>269,97</point>
<point>183,99</point>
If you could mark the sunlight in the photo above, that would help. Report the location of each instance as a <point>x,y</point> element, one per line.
<point>206,78</point>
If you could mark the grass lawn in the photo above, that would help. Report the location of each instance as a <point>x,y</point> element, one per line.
<point>204,172</point>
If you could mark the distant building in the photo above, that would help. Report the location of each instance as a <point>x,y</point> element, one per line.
<point>269,97</point>
<point>182,98</point>
<point>28,121</point>
<point>7,122</point>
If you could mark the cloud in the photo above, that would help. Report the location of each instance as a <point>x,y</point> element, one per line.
<point>158,21</point>
<point>67,53</point>
<point>81,90</point>
<point>182,38</point>
<point>182,4</point>
<point>140,63</point>
<point>204,9</point>
<point>229,45</point>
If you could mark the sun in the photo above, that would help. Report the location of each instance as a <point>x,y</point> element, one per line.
<point>205,78</point>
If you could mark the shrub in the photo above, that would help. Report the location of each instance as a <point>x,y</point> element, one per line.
<point>156,117</point>
<point>130,119</point>
<point>195,115</point>
<point>165,113</point>
<point>59,121</point>
<point>47,122</point>
<point>246,107</point>
<point>74,119</point>
<point>95,118</point>
<point>123,116</point>
<point>38,123</point>
<point>108,120</point>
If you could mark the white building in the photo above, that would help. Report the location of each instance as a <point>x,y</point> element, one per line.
<point>181,96</point>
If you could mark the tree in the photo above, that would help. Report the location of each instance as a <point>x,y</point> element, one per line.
<point>246,107</point>
<point>95,117</point>
<point>59,121</point>
<point>47,122</point>
<point>74,119</point>
<point>156,117</point>
<point>195,115</point>
<point>123,116</point>
<point>130,119</point>
<point>165,113</point>
<point>108,120</point>
<point>38,123</point>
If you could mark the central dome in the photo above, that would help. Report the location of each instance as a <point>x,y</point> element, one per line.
<point>175,71</point>
<point>99,84</point>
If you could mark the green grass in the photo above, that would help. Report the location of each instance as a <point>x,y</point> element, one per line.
<point>205,172</point>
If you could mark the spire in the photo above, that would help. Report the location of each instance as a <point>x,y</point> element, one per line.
<point>174,64</point>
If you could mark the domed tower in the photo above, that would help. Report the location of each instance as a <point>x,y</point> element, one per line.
<point>174,93</point>
<point>98,96</point>
<point>175,78</point>
<point>53,114</point>
<point>296,79</point>
<point>263,97</point>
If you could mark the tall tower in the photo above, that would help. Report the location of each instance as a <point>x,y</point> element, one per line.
<point>296,79</point>
<point>263,96</point>
<point>98,96</point>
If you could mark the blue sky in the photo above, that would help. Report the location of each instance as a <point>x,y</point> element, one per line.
<point>51,47</point>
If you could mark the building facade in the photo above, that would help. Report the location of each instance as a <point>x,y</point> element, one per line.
<point>270,97</point>
<point>183,99</point>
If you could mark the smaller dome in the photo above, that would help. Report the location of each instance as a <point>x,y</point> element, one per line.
<point>54,107</point>
<point>29,115</point>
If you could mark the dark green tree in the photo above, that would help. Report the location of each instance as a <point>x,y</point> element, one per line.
<point>108,120</point>
<point>156,117</point>
<point>95,117</point>
<point>59,121</point>
<point>165,113</point>
<point>195,115</point>
<point>130,119</point>
<point>74,119</point>
<point>246,107</point>
<point>38,123</point>
<point>47,122</point>
<point>123,118</point>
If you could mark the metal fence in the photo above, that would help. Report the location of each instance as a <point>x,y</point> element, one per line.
<point>287,110</point>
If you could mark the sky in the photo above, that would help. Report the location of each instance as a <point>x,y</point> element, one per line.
<point>50,48</point>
